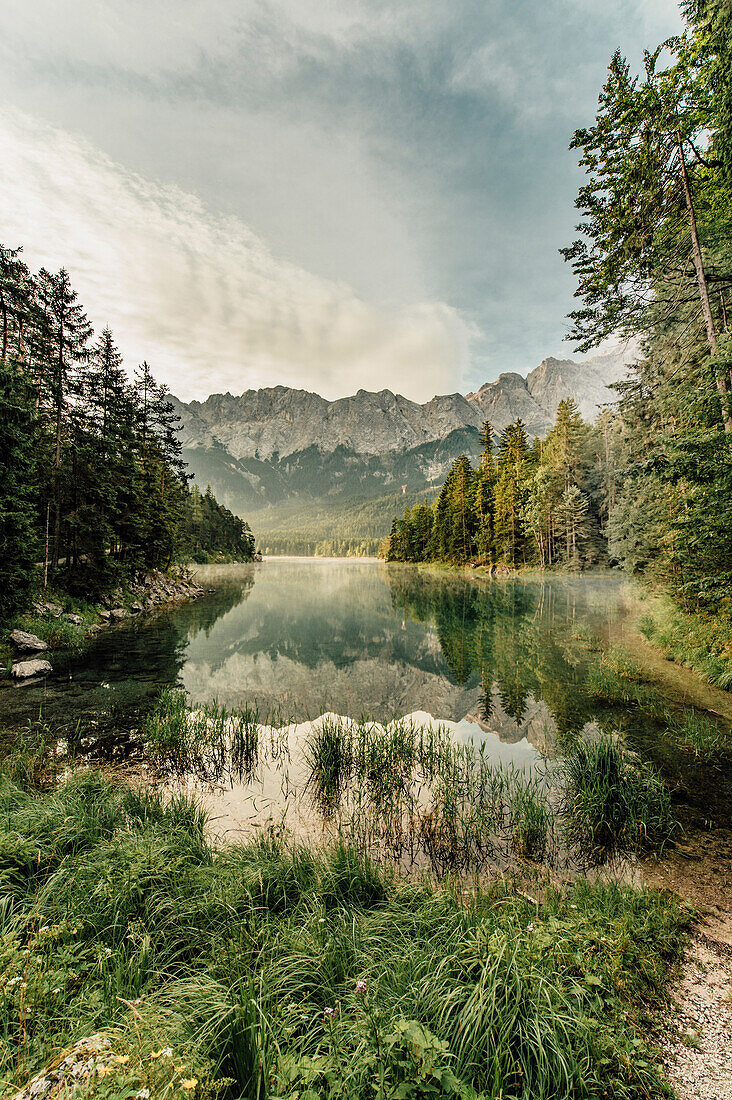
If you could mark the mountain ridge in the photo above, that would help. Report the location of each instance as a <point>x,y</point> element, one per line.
<point>265,447</point>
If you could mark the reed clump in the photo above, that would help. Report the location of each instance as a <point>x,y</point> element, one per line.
<point>612,802</point>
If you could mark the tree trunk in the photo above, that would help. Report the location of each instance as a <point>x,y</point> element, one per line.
<point>720,378</point>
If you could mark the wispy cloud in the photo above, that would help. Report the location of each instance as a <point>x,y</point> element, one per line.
<point>403,154</point>
<point>200,295</point>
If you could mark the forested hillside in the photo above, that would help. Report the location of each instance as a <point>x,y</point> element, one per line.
<point>650,484</point>
<point>93,488</point>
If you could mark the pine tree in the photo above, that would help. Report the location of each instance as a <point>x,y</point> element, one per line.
<point>19,544</point>
<point>67,331</point>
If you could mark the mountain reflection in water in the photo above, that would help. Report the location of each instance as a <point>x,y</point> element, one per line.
<point>298,638</point>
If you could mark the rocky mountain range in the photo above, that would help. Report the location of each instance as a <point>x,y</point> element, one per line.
<point>267,447</point>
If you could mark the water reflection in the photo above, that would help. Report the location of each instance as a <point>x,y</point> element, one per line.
<point>296,639</point>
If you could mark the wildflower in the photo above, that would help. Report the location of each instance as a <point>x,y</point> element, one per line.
<point>56,990</point>
<point>121,1059</point>
<point>13,981</point>
<point>165,1052</point>
<point>530,926</point>
<point>330,1012</point>
<point>361,985</point>
<point>142,1094</point>
<point>103,1070</point>
<point>189,1083</point>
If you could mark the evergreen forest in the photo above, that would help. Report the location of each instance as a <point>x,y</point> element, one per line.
<point>649,485</point>
<point>93,489</point>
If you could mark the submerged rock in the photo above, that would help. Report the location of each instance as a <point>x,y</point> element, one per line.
<point>26,642</point>
<point>24,670</point>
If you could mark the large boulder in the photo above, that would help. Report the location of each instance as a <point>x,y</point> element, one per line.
<point>24,670</point>
<point>27,643</point>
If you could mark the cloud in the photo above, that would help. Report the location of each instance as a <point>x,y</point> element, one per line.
<point>200,295</point>
<point>410,152</point>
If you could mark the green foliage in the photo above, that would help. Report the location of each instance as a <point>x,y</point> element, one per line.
<point>211,530</point>
<point>701,640</point>
<point>613,802</point>
<point>653,261</point>
<point>263,969</point>
<point>92,484</point>
<point>530,505</point>
<point>18,485</point>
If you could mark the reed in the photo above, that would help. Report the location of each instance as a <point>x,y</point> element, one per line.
<point>612,803</point>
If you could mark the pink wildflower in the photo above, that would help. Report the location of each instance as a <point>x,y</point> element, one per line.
<point>361,985</point>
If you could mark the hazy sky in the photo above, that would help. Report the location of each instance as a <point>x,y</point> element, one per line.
<point>330,195</point>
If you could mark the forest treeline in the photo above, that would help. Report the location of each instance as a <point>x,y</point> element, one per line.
<point>534,502</point>
<point>653,261</point>
<point>93,489</point>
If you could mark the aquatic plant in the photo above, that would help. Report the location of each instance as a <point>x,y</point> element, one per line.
<point>612,802</point>
<point>531,819</point>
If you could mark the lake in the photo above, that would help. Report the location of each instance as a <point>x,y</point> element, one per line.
<point>299,637</point>
<point>518,667</point>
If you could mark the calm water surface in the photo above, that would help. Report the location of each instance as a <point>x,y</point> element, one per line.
<point>505,663</point>
<point>297,638</point>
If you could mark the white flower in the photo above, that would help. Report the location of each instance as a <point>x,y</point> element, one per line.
<point>142,1094</point>
<point>12,982</point>
<point>530,926</point>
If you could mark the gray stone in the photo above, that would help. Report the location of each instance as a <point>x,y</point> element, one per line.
<point>105,615</point>
<point>136,607</point>
<point>76,620</point>
<point>27,643</point>
<point>117,614</point>
<point>23,670</point>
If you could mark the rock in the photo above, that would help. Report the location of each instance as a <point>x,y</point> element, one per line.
<point>76,620</point>
<point>23,670</point>
<point>75,1066</point>
<point>27,643</point>
<point>105,615</point>
<point>117,614</point>
<point>48,609</point>
<point>136,607</point>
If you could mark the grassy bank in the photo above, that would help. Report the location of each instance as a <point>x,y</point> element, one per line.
<point>265,969</point>
<point>698,640</point>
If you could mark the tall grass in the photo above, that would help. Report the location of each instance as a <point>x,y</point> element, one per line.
<point>699,640</point>
<point>613,803</point>
<point>266,969</point>
<point>408,793</point>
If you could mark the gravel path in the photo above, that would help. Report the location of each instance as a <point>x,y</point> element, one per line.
<point>698,1052</point>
